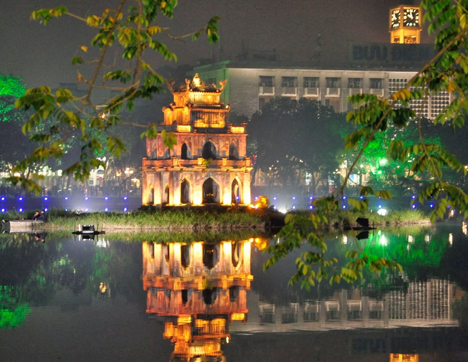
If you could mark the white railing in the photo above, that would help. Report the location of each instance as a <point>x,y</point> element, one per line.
<point>333,92</point>
<point>315,92</point>
<point>267,90</point>
<point>354,91</point>
<point>290,91</point>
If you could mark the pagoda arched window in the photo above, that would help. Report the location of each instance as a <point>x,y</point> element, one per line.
<point>185,192</point>
<point>233,153</point>
<point>209,151</point>
<point>210,191</point>
<point>185,152</point>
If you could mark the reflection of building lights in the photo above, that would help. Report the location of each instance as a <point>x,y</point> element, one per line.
<point>261,243</point>
<point>345,239</point>
<point>102,244</point>
<point>383,240</point>
<point>450,238</point>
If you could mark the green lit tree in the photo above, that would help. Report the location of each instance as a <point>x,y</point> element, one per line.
<point>11,88</point>
<point>382,171</point>
<point>15,146</point>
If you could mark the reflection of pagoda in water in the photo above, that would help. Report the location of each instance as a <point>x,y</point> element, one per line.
<point>198,289</point>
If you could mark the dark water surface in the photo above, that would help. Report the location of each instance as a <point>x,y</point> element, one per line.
<point>207,298</point>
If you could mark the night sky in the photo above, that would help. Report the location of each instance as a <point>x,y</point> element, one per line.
<point>42,54</point>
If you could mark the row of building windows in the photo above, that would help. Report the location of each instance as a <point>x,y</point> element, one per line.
<point>314,82</point>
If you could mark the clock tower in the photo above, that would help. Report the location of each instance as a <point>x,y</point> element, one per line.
<point>405,25</point>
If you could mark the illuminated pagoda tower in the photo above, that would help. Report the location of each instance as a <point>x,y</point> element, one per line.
<point>197,289</point>
<point>405,25</point>
<point>209,163</point>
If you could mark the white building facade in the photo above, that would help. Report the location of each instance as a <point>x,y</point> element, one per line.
<point>250,86</point>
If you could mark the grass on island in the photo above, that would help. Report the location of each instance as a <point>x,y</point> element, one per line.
<point>395,217</point>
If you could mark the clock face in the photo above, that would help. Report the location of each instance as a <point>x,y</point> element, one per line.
<point>395,19</point>
<point>411,17</point>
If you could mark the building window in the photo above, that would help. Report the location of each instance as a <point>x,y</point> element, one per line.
<point>355,83</point>
<point>376,83</point>
<point>333,82</point>
<point>289,82</point>
<point>311,82</point>
<point>267,81</point>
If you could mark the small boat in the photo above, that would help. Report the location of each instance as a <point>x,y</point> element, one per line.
<point>87,230</point>
<point>22,226</point>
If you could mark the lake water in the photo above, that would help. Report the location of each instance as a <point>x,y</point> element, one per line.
<point>143,297</point>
